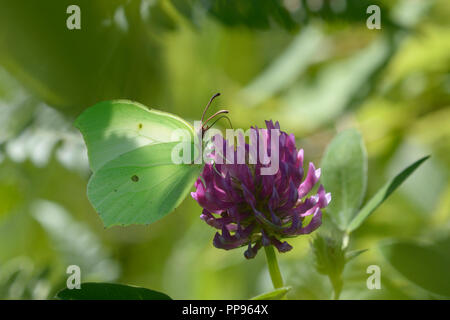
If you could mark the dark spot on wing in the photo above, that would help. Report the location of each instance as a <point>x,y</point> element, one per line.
<point>135,178</point>
<point>140,126</point>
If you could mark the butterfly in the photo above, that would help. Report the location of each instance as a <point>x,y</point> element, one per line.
<point>134,179</point>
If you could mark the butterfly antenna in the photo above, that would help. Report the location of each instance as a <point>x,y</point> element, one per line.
<point>214,115</point>
<point>209,103</point>
<point>226,117</point>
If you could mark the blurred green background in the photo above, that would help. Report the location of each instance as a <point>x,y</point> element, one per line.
<point>312,65</point>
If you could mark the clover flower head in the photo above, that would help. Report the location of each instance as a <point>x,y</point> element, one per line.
<point>252,209</point>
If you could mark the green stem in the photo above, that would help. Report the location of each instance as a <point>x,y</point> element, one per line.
<point>337,294</point>
<point>274,269</point>
<point>337,286</point>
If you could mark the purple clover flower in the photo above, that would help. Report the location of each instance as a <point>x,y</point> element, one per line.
<point>255,210</point>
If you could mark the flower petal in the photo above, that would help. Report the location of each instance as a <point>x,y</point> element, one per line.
<point>311,179</point>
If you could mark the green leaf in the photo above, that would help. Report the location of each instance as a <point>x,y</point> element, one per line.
<point>329,257</point>
<point>135,180</point>
<point>110,291</point>
<point>255,14</point>
<point>353,254</point>
<point>276,294</point>
<point>423,265</point>
<point>383,194</point>
<point>344,174</point>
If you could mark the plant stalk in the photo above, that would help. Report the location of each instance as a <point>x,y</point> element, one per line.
<point>274,269</point>
<point>337,286</point>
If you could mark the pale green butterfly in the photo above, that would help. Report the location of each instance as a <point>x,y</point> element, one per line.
<point>135,180</point>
